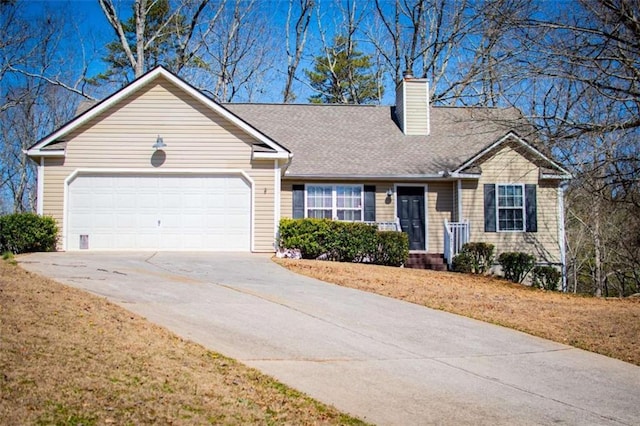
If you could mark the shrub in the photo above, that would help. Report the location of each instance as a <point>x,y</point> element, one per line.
<point>546,277</point>
<point>482,255</point>
<point>392,249</point>
<point>307,235</point>
<point>27,232</point>
<point>462,262</point>
<point>343,241</point>
<point>516,265</point>
<point>351,241</point>
<point>476,258</point>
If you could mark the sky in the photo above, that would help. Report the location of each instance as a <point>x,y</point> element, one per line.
<point>91,32</point>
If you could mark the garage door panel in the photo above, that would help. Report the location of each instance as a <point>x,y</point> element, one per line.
<point>160,212</point>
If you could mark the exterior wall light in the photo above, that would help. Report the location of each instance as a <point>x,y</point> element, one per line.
<point>389,192</point>
<point>159,143</point>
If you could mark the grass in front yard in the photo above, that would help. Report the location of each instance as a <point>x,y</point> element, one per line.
<point>69,358</point>
<point>607,326</point>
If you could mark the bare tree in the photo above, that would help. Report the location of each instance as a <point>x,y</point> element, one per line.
<point>235,53</point>
<point>300,16</point>
<point>462,47</point>
<point>33,95</point>
<point>154,26</point>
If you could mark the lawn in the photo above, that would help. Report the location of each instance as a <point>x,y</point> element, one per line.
<point>70,358</point>
<point>607,326</point>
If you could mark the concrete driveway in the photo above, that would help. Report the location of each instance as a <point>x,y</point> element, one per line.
<point>386,361</point>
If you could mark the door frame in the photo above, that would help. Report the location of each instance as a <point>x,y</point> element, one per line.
<point>426,209</point>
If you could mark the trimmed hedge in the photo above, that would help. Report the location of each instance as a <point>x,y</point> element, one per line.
<point>475,258</point>
<point>546,277</point>
<point>392,248</point>
<point>516,265</point>
<point>343,241</point>
<point>27,232</point>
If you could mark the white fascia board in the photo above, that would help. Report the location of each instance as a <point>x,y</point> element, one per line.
<point>136,85</point>
<point>556,177</point>
<point>48,153</point>
<point>271,155</point>
<point>521,142</point>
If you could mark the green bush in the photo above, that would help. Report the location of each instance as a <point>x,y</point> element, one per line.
<point>516,265</point>
<point>343,241</point>
<point>393,248</point>
<point>546,277</point>
<point>307,235</point>
<point>462,262</point>
<point>475,258</point>
<point>351,241</point>
<point>27,232</point>
<point>482,255</point>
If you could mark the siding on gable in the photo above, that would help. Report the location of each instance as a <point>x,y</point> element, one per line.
<point>196,138</point>
<point>509,167</point>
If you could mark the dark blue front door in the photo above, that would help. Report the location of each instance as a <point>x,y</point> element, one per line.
<point>411,215</point>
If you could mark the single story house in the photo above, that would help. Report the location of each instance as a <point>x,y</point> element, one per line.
<point>158,165</point>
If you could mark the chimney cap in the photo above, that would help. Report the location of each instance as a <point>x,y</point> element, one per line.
<point>407,74</point>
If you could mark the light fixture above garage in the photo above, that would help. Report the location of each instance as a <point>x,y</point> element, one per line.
<point>159,143</point>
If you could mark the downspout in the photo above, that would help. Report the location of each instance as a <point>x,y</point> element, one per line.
<point>459,190</point>
<point>40,187</point>
<point>561,233</point>
<point>276,202</point>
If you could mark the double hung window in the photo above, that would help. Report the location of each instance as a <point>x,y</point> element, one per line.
<point>511,208</point>
<point>341,202</point>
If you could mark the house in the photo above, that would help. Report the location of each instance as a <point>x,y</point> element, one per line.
<point>160,166</point>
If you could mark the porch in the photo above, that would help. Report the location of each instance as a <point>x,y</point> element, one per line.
<point>456,234</point>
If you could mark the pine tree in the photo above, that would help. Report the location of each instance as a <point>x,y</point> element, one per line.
<point>343,75</point>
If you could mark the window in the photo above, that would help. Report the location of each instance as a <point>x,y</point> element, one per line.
<point>510,208</point>
<point>342,202</point>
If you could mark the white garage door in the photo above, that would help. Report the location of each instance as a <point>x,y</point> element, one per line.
<point>159,212</point>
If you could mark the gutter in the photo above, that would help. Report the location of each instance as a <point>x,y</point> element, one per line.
<point>415,177</point>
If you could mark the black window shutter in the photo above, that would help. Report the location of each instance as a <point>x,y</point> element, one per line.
<point>298,201</point>
<point>489,207</point>
<point>369,203</point>
<point>531,208</point>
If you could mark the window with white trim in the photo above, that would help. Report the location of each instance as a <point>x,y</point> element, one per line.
<point>341,202</point>
<point>511,208</point>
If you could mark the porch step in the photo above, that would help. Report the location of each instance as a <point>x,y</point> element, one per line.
<point>434,261</point>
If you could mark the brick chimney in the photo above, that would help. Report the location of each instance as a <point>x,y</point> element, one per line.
<point>412,105</point>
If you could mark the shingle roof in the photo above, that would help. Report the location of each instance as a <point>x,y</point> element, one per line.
<point>364,140</point>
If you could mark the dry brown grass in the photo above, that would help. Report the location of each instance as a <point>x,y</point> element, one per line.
<point>607,326</point>
<point>67,357</point>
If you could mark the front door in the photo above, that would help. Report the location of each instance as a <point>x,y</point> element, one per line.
<point>411,214</point>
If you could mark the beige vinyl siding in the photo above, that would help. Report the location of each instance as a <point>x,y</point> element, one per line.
<point>416,107</point>
<point>264,230</point>
<point>509,167</point>
<point>440,206</point>
<point>196,138</point>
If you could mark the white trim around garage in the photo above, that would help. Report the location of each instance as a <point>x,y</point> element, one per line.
<point>106,171</point>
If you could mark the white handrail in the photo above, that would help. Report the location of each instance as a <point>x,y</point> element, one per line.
<point>456,234</point>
